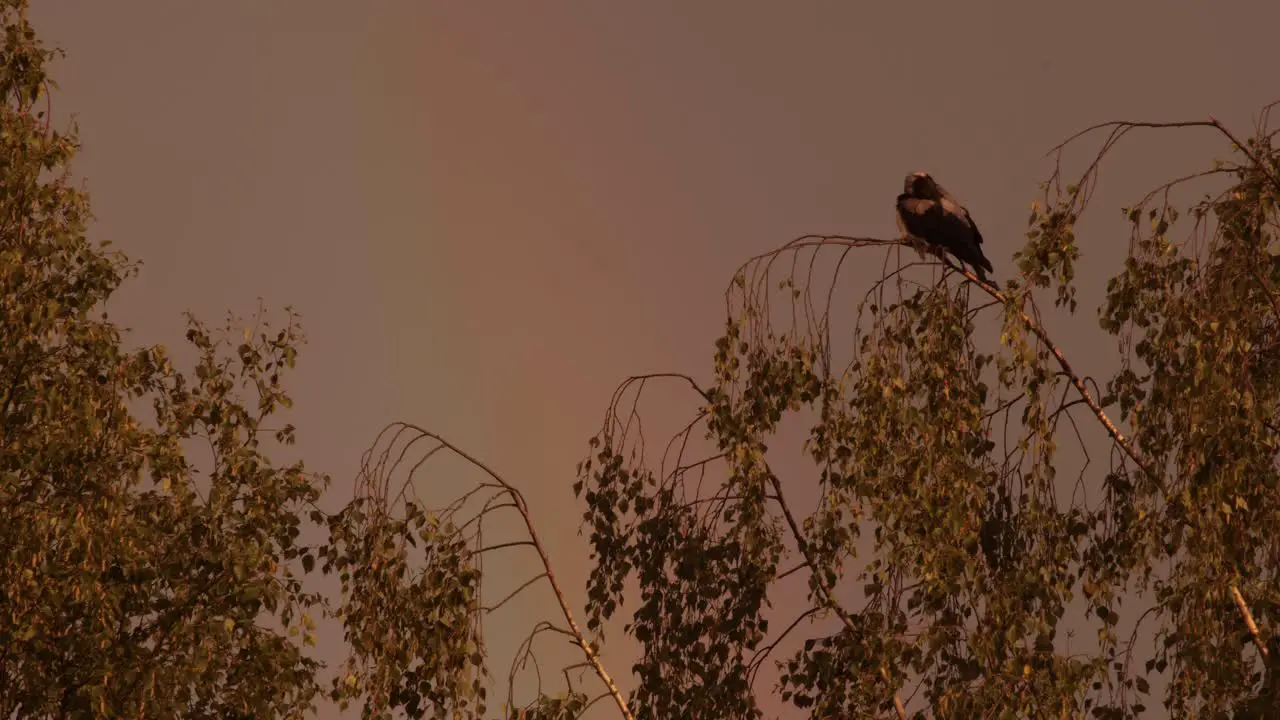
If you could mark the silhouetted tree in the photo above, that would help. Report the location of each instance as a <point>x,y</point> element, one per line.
<point>948,555</point>
<point>133,585</point>
<point>154,560</point>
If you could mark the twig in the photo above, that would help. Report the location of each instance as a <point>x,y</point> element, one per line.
<point>513,593</point>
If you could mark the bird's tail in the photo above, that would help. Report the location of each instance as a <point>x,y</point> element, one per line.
<point>981,272</point>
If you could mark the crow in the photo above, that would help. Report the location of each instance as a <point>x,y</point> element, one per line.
<point>928,213</point>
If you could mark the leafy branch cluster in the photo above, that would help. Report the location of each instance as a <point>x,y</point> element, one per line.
<point>979,554</point>
<point>134,584</point>
<point>155,561</point>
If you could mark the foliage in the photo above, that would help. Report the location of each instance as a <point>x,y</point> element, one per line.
<point>411,626</point>
<point>133,584</point>
<point>136,584</point>
<point>155,564</point>
<point>413,615</point>
<point>948,550</point>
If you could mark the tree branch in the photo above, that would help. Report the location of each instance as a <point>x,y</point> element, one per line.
<point>1125,444</point>
<point>514,593</point>
<point>1122,126</point>
<point>1248,621</point>
<point>828,598</point>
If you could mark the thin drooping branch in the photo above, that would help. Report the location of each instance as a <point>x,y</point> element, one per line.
<point>513,593</point>
<point>1125,444</point>
<point>757,661</point>
<point>828,597</point>
<point>1120,127</point>
<point>524,654</point>
<point>578,637</point>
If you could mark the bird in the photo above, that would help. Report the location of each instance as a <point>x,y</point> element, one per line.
<point>928,213</point>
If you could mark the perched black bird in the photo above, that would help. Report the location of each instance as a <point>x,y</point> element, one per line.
<point>929,213</point>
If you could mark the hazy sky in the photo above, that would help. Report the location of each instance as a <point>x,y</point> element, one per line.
<point>490,213</point>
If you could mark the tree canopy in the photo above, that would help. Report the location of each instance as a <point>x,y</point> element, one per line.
<point>156,556</point>
<point>992,533</point>
<point>959,573</point>
<point>134,584</point>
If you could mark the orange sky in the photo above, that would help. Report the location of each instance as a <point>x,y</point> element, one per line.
<point>489,214</point>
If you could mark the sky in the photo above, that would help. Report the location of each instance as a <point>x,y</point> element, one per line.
<point>489,214</point>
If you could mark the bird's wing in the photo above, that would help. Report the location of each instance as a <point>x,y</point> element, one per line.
<point>950,205</point>
<point>918,217</point>
<point>977,236</point>
<point>966,234</point>
<point>910,207</point>
<point>928,221</point>
<point>961,214</point>
<point>905,208</point>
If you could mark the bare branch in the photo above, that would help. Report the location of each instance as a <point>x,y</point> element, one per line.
<point>499,546</point>
<point>757,661</point>
<point>1120,127</point>
<point>514,593</point>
